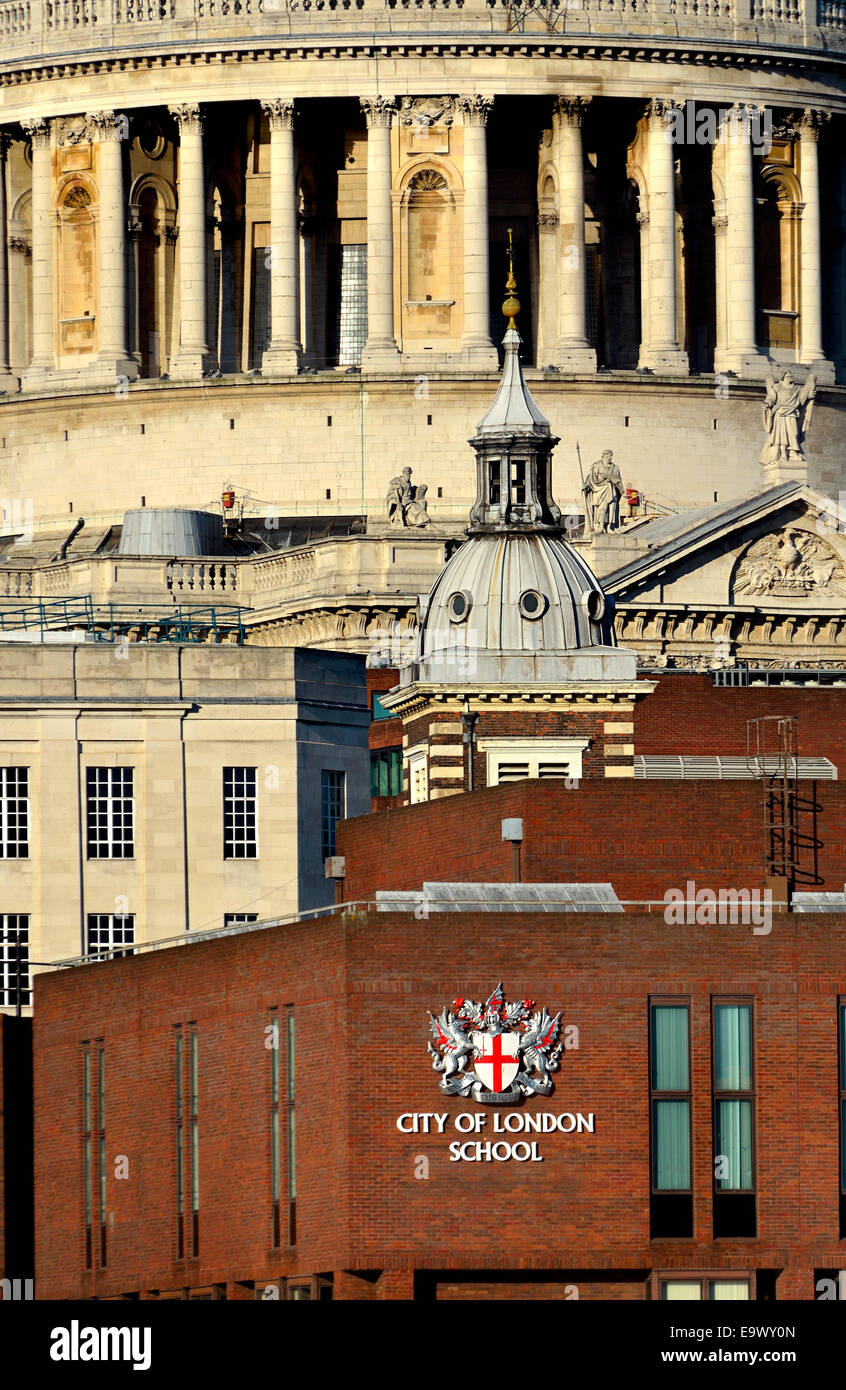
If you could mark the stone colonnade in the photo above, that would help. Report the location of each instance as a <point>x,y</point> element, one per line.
<point>736,346</point>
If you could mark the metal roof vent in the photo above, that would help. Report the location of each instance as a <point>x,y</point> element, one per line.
<point>171,531</point>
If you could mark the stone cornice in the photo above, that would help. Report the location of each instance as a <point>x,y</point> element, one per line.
<point>713,54</point>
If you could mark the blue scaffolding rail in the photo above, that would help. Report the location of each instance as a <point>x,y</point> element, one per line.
<point>112,622</point>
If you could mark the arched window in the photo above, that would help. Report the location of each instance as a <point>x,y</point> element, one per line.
<point>777,260</point>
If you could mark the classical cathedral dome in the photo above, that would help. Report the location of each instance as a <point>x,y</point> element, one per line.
<point>517,602</point>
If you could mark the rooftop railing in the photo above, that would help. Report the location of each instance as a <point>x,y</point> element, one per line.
<point>30,29</point>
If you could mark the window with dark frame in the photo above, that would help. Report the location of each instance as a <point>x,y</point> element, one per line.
<point>332,809</point>
<point>15,989</point>
<point>110,812</point>
<point>179,1136</point>
<point>14,813</point>
<point>842,1115</point>
<point>386,772</point>
<point>239,919</point>
<point>291,1123</point>
<point>695,1288</point>
<point>671,1189</point>
<point>377,709</point>
<point>733,1072</point>
<point>240,813</point>
<point>111,934</point>
<point>275,1156</point>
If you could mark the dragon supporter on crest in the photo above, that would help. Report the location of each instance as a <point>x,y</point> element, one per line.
<point>496,1052</point>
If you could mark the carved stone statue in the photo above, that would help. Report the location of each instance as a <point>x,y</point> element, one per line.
<point>406,503</point>
<point>787,412</point>
<point>603,489</point>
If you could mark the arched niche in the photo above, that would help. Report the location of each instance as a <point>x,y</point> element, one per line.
<point>77,278</point>
<point>431,260</point>
<point>152,250</point>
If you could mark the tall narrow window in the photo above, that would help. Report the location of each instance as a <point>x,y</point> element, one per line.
<point>291,1124</point>
<point>87,1179</point>
<point>110,812</point>
<point>734,1119</point>
<point>386,772</point>
<point>842,1086</point>
<point>14,813</point>
<point>332,809</point>
<point>94,1150</point>
<point>671,1204</point>
<point>14,960</point>
<point>101,1150</point>
<point>194,1130</point>
<point>275,1158</point>
<point>110,933</point>
<point>179,1134</point>
<point>240,813</point>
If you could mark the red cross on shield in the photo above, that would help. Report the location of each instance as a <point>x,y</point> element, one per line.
<point>498,1061</point>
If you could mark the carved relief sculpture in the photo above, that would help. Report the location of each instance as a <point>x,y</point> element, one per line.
<point>792,564</point>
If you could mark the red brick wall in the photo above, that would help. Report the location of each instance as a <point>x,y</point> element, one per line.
<point>644,837</point>
<point>360,987</point>
<point>689,714</point>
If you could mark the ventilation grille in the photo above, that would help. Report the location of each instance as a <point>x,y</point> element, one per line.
<point>699,767</point>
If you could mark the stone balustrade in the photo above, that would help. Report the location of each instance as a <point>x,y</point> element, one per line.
<point>33,28</point>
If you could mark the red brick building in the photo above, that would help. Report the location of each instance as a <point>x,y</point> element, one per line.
<point>178,1094</point>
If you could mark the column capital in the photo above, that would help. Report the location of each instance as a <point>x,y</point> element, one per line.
<point>547,221</point>
<point>279,112</point>
<point>719,223</point>
<point>571,111</point>
<point>659,111</point>
<point>188,117</point>
<point>809,123</point>
<point>112,126</point>
<point>475,110</point>
<point>38,131</point>
<point>378,111</point>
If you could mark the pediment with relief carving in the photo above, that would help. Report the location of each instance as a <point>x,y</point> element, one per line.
<point>791,564</point>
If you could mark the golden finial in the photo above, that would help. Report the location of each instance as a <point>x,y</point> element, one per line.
<point>511,306</point>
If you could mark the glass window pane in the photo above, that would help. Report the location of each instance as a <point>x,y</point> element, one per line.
<point>726,1289</point>
<point>843,1144</point>
<point>733,1047</point>
<point>671,1145</point>
<point>843,1047</point>
<point>669,1048</point>
<point>681,1290</point>
<point>733,1159</point>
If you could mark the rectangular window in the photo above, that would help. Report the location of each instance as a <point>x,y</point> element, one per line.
<point>239,919</point>
<point>714,1290</point>
<point>377,709</point>
<point>350,318</point>
<point>386,772</point>
<point>14,813</point>
<point>240,813</point>
<point>671,1205</point>
<point>494,486</point>
<point>291,1124</point>
<point>332,807</point>
<point>275,1157</point>
<point>734,1119</point>
<point>194,1133</point>
<point>111,933</point>
<point>94,1150</point>
<point>15,988</point>
<point>842,1097</point>
<point>179,1131</point>
<point>111,832</point>
<point>260,326</point>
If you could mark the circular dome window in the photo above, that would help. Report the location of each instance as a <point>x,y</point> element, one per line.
<point>532,604</point>
<point>594,602</point>
<point>459,605</point>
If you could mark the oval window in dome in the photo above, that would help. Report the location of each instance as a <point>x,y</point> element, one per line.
<point>594,602</point>
<point>532,604</point>
<point>459,605</point>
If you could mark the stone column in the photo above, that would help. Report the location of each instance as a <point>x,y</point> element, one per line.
<point>380,351</point>
<point>192,357</point>
<point>573,351</point>
<point>43,354</point>
<point>110,128</point>
<point>476,345</point>
<point>659,349</point>
<point>8,382</point>
<point>838,174</point>
<point>282,356</point>
<point>740,352</point>
<point>811,352</point>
